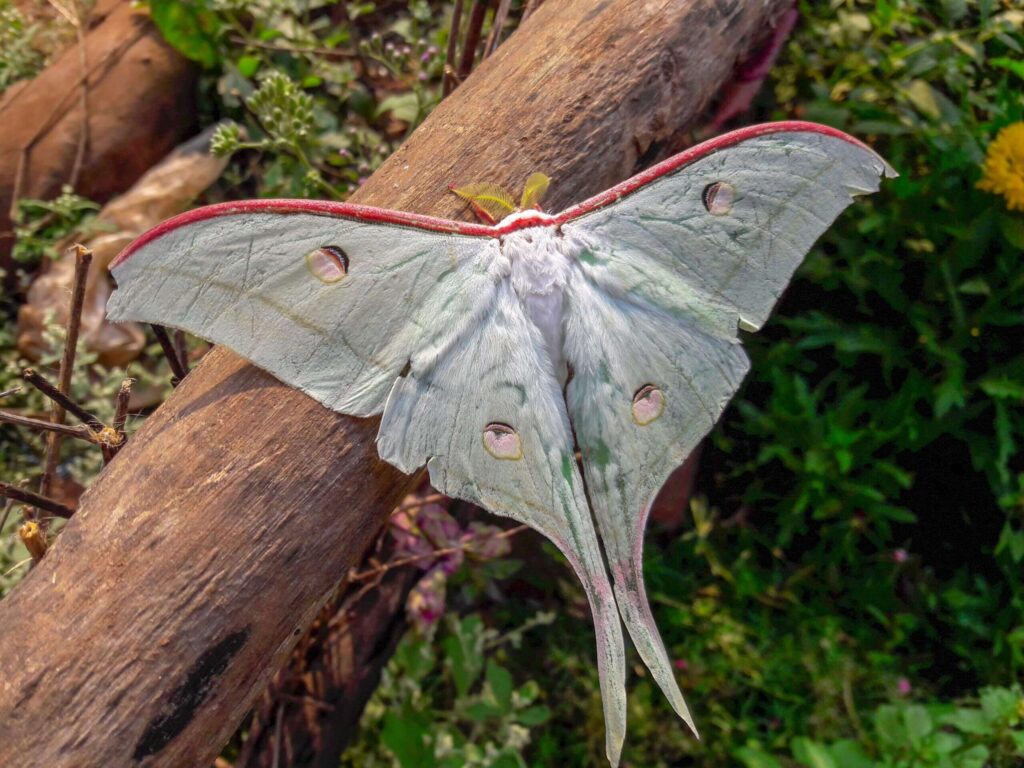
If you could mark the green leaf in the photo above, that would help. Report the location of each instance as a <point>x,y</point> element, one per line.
<point>481,711</point>
<point>533,715</point>
<point>889,725</point>
<point>971,721</point>
<point>1012,228</point>
<point>755,757</point>
<point>918,723</point>
<point>1003,387</point>
<point>975,757</point>
<point>405,733</point>
<point>464,649</point>
<point>1016,66</point>
<point>999,704</point>
<point>248,65</point>
<point>190,27</point>
<point>402,106</point>
<point>924,98</point>
<point>850,754</point>
<point>811,753</point>
<point>500,682</point>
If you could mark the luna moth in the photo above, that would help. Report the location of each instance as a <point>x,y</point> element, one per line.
<point>493,352</point>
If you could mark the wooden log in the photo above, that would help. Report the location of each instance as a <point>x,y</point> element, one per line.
<point>204,548</point>
<point>141,104</point>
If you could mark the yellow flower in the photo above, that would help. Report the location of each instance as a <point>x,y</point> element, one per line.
<point>1003,169</point>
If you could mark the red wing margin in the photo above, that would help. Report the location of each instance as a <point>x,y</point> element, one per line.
<point>331,298</point>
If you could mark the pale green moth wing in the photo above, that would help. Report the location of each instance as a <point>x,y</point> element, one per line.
<point>485,412</point>
<point>328,304</point>
<point>433,323</point>
<point>667,271</point>
<point>337,303</point>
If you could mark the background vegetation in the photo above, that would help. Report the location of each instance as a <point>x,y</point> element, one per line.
<point>848,590</point>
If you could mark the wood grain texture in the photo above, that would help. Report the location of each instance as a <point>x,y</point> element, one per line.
<point>201,552</point>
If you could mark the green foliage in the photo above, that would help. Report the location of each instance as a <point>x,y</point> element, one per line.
<point>41,224</point>
<point>984,734</point>
<point>19,57</point>
<point>191,27</point>
<point>323,91</point>
<point>451,703</point>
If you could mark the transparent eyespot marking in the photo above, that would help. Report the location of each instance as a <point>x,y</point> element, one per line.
<point>718,197</point>
<point>328,264</point>
<point>648,404</point>
<point>502,442</point>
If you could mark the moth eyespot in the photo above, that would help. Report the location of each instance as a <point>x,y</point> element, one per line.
<point>718,197</point>
<point>502,442</point>
<point>648,404</point>
<point>328,264</point>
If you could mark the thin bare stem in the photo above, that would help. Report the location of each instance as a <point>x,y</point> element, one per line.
<point>79,431</point>
<point>181,347</point>
<point>83,257</point>
<point>8,506</point>
<point>448,84</point>
<point>177,367</point>
<point>23,496</point>
<point>338,52</point>
<point>500,17</point>
<point>422,501</point>
<point>124,395</point>
<point>58,397</point>
<point>9,392</point>
<point>472,41</point>
<point>383,568</point>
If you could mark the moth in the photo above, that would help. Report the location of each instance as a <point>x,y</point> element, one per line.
<point>494,352</point>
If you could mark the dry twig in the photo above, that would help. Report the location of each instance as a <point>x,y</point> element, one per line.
<point>60,399</point>
<point>83,257</point>
<point>79,431</point>
<point>124,395</point>
<point>472,41</point>
<point>382,568</point>
<point>500,17</point>
<point>34,499</point>
<point>449,82</point>
<point>178,368</point>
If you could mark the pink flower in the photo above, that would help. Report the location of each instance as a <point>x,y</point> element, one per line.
<point>903,687</point>
<point>900,556</point>
<point>681,664</point>
<point>426,601</point>
<point>421,530</point>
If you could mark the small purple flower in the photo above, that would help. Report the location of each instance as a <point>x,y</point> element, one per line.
<point>344,153</point>
<point>425,57</point>
<point>903,687</point>
<point>426,601</point>
<point>900,556</point>
<point>681,664</point>
<point>419,531</point>
<point>422,77</point>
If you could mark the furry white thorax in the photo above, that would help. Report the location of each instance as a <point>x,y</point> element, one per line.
<point>539,260</point>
